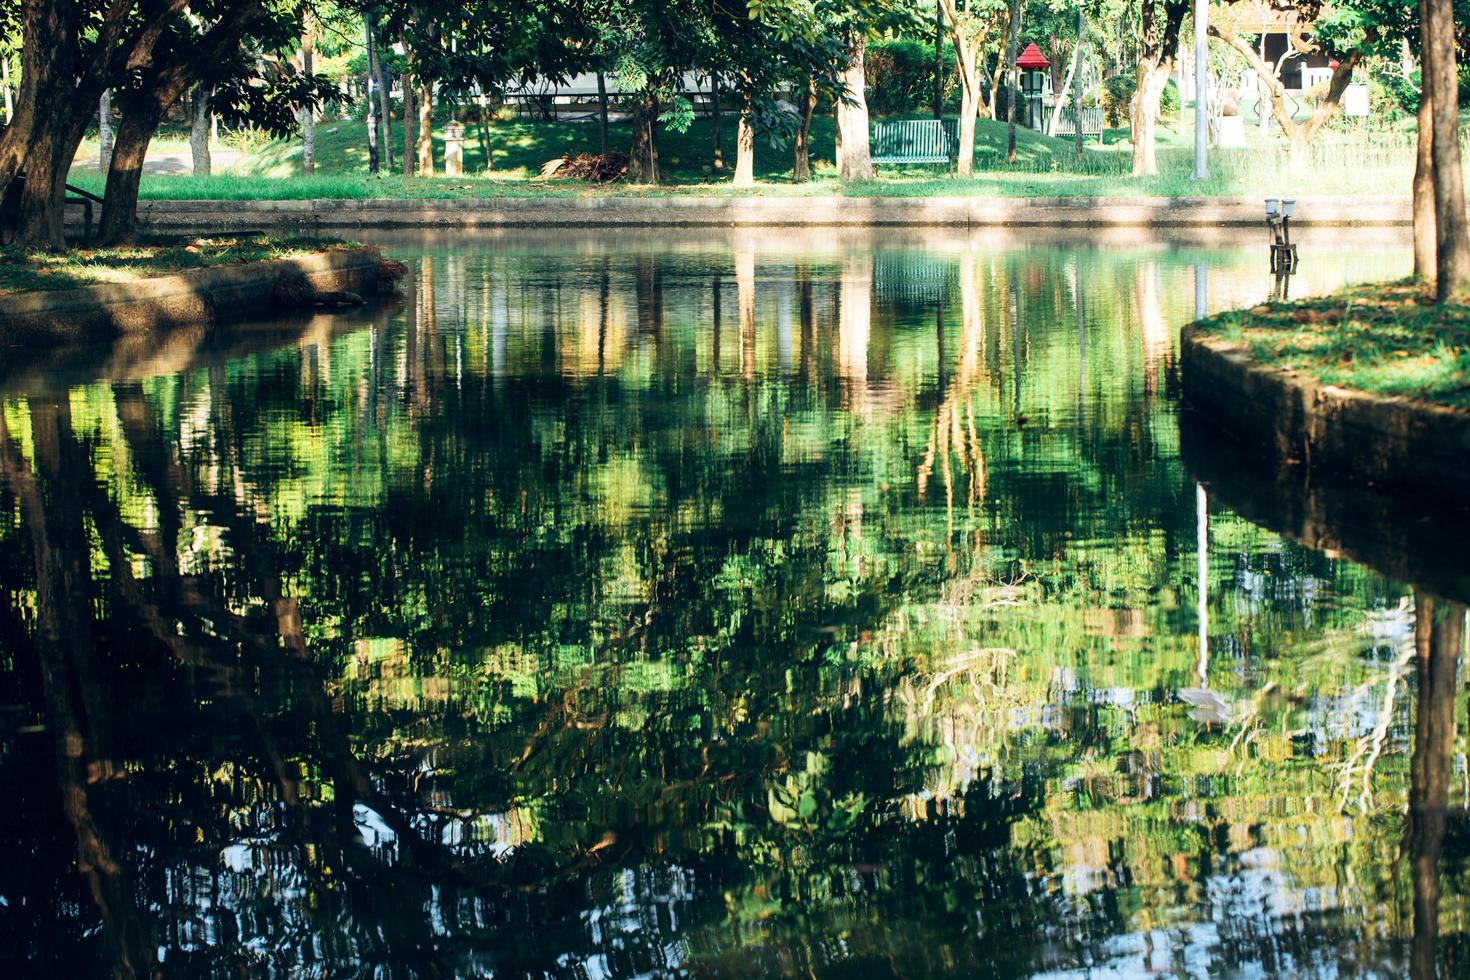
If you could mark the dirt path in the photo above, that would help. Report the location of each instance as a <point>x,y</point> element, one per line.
<point>170,161</point>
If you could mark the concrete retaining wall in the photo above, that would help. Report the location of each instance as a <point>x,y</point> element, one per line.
<point>202,296</point>
<point>1391,442</point>
<point>963,212</point>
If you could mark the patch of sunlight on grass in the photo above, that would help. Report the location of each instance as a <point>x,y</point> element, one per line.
<point>22,270</point>
<point>1388,339</point>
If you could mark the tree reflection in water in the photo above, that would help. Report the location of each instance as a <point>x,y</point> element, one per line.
<point>700,609</point>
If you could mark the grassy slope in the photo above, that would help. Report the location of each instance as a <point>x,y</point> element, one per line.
<point>1385,339</point>
<point>1045,168</point>
<point>22,271</point>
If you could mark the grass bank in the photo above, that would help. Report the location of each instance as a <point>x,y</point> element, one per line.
<point>1386,339</point>
<point>1046,168</point>
<point>25,271</point>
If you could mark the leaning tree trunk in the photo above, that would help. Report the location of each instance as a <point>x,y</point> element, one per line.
<point>643,155</point>
<point>852,116</point>
<point>802,164</point>
<point>1437,37</point>
<point>1424,226</point>
<point>745,143</point>
<point>199,132</point>
<point>1065,92</point>
<point>120,210</point>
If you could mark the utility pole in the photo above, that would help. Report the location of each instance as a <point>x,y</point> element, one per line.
<point>1201,89</point>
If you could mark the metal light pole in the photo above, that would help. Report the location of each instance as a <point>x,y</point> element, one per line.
<point>1201,89</point>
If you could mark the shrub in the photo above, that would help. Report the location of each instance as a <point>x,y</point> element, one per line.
<point>900,76</point>
<point>1117,94</point>
<point>1170,102</point>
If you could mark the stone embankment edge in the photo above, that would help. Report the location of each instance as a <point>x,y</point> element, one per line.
<point>963,212</point>
<point>1398,443</point>
<point>200,296</point>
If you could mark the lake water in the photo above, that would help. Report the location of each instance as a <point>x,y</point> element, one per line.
<point>721,605</point>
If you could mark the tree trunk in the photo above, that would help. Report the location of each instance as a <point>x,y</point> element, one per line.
<point>601,113</point>
<point>969,110</point>
<point>714,94</point>
<point>307,113</point>
<point>852,116</point>
<point>425,103</point>
<point>938,59</point>
<point>1425,239</point>
<point>1013,37</point>
<point>371,45</point>
<point>1143,114</point>
<point>385,111</point>
<point>199,124</point>
<point>1437,38</point>
<point>484,128</point>
<point>104,131</point>
<point>53,147</point>
<point>1156,56</point>
<point>745,144</point>
<point>1438,637</point>
<point>120,212</point>
<point>406,83</point>
<point>643,156</point>
<point>802,166</point>
<point>5,85</point>
<point>1065,93</point>
<point>1299,135</point>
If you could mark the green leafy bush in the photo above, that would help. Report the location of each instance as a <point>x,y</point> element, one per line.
<point>1117,95</point>
<point>900,76</point>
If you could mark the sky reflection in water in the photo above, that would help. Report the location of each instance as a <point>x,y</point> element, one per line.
<point>720,605</point>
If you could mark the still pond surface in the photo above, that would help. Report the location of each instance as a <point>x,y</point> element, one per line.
<point>710,605</point>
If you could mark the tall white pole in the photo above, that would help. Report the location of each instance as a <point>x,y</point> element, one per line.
<point>1201,89</point>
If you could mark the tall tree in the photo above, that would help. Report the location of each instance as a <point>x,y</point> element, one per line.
<point>971,23</point>
<point>1158,47</point>
<point>189,55</point>
<point>71,51</point>
<point>1441,86</point>
<point>1348,33</point>
<point>855,161</point>
<point>306,59</point>
<point>370,50</point>
<point>201,118</point>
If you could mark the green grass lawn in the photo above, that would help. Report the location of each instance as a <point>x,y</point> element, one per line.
<point>1388,339</point>
<point>22,270</point>
<point>1046,167</point>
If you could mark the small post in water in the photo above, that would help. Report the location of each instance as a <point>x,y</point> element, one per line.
<point>1279,213</point>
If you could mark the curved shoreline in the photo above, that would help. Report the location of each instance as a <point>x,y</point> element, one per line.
<point>193,298</point>
<point>1393,442</point>
<point>825,211</point>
